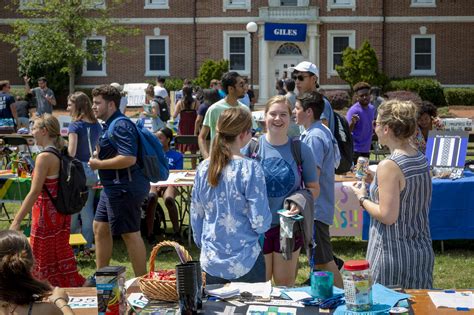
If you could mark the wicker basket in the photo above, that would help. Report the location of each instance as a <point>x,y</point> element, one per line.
<point>164,290</point>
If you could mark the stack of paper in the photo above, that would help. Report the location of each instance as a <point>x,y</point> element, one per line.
<point>452,299</point>
<point>222,291</point>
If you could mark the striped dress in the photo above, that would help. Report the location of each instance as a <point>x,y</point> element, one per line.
<point>401,254</point>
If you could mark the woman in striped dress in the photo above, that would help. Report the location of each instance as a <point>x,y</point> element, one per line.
<point>400,252</point>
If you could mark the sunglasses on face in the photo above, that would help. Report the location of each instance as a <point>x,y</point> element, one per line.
<point>300,77</point>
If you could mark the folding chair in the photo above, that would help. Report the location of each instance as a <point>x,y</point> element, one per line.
<point>188,139</point>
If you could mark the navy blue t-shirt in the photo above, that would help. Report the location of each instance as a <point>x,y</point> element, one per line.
<point>5,101</point>
<point>126,137</point>
<point>80,127</point>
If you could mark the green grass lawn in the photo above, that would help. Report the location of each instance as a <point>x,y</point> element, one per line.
<point>453,269</point>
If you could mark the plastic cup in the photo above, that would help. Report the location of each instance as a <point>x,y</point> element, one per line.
<point>321,284</point>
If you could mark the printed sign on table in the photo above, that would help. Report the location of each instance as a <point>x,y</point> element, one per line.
<point>135,94</point>
<point>348,213</point>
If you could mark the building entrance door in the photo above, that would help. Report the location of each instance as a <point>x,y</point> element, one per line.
<point>287,55</point>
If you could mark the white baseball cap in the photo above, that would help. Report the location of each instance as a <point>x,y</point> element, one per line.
<point>117,86</point>
<point>306,66</point>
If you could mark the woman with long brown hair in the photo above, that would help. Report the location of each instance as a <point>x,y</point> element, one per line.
<point>229,208</point>
<point>20,292</point>
<point>50,230</point>
<point>83,134</point>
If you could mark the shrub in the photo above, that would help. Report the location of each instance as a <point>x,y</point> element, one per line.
<point>361,65</point>
<point>173,84</point>
<point>339,99</point>
<point>209,70</point>
<point>463,96</point>
<point>404,96</point>
<point>427,89</point>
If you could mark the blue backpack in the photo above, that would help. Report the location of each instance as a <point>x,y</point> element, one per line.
<point>151,158</point>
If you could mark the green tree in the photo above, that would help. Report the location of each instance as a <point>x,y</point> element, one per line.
<point>361,65</point>
<point>209,70</point>
<point>52,33</point>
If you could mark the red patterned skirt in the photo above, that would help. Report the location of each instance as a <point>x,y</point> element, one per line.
<point>49,239</point>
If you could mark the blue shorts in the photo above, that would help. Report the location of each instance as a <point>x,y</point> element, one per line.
<point>121,207</point>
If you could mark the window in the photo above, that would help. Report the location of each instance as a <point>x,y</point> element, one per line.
<point>95,67</point>
<point>156,4</point>
<point>236,4</point>
<point>423,3</point>
<point>337,42</point>
<point>157,56</point>
<point>423,55</point>
<point>289,3</point>
<point>237,51</point>
<point>341,4</point>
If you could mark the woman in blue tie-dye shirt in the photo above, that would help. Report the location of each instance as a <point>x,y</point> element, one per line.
<point>229,209</point>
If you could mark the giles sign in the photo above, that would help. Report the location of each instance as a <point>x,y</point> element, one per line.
<point>285,32</point>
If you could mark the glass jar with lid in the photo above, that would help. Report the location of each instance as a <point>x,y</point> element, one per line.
<point>357,285</point>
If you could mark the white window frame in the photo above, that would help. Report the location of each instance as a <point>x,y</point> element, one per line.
<point>150,73</point>
<point>423,3</point>
<point>330,53</point>
<point>93,73</point>
<point>332,4</point>
<point>227,36</point>
<point>236,5</point>
<point>163,5</point>
<point>430,72</point>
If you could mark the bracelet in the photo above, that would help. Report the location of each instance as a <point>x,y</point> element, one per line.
<point>65,306</point>
<point>60,298</point>
<point>362,199</point>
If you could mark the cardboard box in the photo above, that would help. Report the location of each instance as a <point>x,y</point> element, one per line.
<point>111,295</point>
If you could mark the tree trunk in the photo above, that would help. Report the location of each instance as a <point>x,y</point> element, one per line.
<point>72,78</point>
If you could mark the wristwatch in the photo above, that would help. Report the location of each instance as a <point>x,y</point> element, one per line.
<point>362,199</point>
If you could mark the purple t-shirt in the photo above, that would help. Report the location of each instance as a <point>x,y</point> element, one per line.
<point>363,129</point>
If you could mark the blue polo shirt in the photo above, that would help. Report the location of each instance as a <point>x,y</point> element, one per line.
<point>126,137</point>
<point>321,142</point>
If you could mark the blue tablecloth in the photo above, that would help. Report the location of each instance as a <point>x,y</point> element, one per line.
<point>452,209</point>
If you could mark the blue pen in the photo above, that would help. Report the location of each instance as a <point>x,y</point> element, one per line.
<point>449,291</point>
<point>464,309</point>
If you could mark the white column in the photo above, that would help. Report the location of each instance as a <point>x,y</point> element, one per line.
<point>263,67</point>
<point>314,45</point>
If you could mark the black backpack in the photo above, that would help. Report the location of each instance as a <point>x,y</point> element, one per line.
<point>72,189</point>
<point>343,136</point>
<point>163,107</point>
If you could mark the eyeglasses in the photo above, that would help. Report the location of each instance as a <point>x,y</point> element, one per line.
<point>300,77</point>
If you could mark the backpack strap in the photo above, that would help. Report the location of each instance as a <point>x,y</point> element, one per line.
<point>296,152</point>
<point>114,143</point>
<point>58,155</point>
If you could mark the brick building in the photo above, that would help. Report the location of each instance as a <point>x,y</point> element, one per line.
<point>411,37</point>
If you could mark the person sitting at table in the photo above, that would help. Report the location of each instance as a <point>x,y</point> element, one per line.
<point>20,291</point>
<point>283,178</point>
<point>427,119</point>
<point>175,162</point>
<point>83,135</point>
<point>400,252</point>
<point>229,206</point>
<point>50,230</point>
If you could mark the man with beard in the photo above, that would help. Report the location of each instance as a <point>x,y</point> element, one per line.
<point>360,117</point>
<point>234,87</point>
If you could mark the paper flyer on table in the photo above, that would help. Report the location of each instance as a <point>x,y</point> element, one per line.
<point>83,301</point>
<point>463,299</point>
